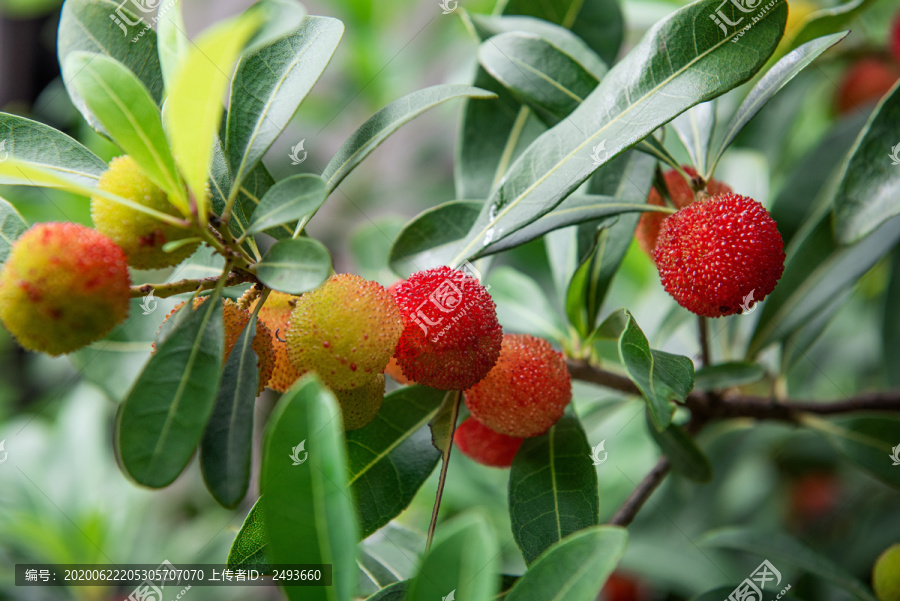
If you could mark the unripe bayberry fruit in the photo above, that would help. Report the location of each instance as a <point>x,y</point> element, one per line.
<point>235,319</point>
<point>346,331</point>
<point>276,314</point>
<point>719,254</point>
<point>63,286</point>
<point>483,445</point>
<point>681,194</point>
<point>451,338</point>
<point>360,405</point>
<point>141,236</point>
<point>886,574</point>
<point>526,392</point>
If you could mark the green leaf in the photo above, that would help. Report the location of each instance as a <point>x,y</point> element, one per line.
<point>292,199</point>
<point>464,558</point>
<point>388,120</point>
<point>171,38</point>
<point>228,439</point>
<point>308,514</point>
<point>830,20</point>
<point>102,27</point>
<point>392,457</point>
<point>573,569</point>
<point>163,417</point>
<point>781,549</point>
<point>249,546</point>
<point>660,376</point>
<point>694,128</point>
<point>12,225</point>
<point>726,375</point>
<point>685,456</point>
<point>686,51</point>
<point>41,145</point>
<point>522,306</point>
<point>869,192</point>
<point>890,329</point>
<point>269,85</point>
<point>194,106</point>
<point>552,488</point>
<point>443,424</point>
<point>420,245</point>
<point>128,112</point>
<point>775,78</point>
<point>295,266</point>
<point>869,443</point>
<point>282,18</point>
<point>394,592</point>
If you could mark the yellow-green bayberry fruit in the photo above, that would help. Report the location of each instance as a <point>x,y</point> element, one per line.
<point>346,331</point>
<point>141,236</point>
<point>276,314</point>
<point>886,574</point>
<point>62,287</point>
<point>360,405</point>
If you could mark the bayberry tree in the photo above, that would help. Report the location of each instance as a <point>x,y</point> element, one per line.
<point>573,144</point>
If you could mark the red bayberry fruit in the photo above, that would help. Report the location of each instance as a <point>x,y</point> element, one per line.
<point>865,82</point>
<point>681,194</point>
<point>720,256</point>
<point>895,37</point>
<point>451,338</point>
<point>481,444</point>
<point>621,588</point>
<point>527,391</point>
<point>62,287</point>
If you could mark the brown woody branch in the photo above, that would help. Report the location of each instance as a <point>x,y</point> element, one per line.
<point>636,500</point>
<point>182,286</point>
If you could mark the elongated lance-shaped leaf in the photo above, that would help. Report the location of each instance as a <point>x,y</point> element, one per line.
<point>695,128</point>
<point>307,508</point>
<point>291,200</point>
<point>522,306</point>
<point>428,239</point>
<point>172,39</point>
<point>269,85</point>
<point>127,111</point>
<point>163,417</point>
<point>830,20</point>
<point>41,145</point>
<point>12,225</point>
<point>249,546</point>
<point>388,120</point>
<point>679,63</point>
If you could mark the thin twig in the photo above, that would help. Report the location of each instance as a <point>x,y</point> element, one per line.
<point>629,509</point>
<point>182,286</point>
<point>704,340</point>
<point>445,462</point>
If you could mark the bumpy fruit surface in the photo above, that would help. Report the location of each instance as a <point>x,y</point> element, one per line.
<point>451,338</point>
<point>526,393</point>
<point>719,255</point>
<point>393,370</point>
<point>235,319</point>
<point>140,236</point>
<point>886,575</point>
<point>681,194</point>
<point>63,286</point>
<point>346,331</point>
<point>276,314</point>
<point>360,405</point>
<point>865,82</point>
<point>481,444</point>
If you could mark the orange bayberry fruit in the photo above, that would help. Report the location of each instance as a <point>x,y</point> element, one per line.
<point>451,338</point>
<point>62,287</point>
<point>481,444</point>
<point>393,370</point>
<point>526,392</point>
<point>345,331</point>
<point>141,236</point>
<point>360,405</point>
<point>235,319</point>
<point>719,255</point>
<point>681,194</point>
<point>276,314</point>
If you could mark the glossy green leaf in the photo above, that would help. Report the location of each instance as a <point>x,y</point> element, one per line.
<point>391,458</point>
<point>443,424</point>
<point>171,38</point>
<point>869,192</point>
<point>830,20</point>
<point>463,560</point>
<point>281,18</point>
<point>163,417</point>
<point>102,27</point>
<point>427,240</point>
<point>127,111</point>
<point>890,329</point>
<point>388,120</point>
<point>225,450</point>
<point>573,569</point>
<point>373,574</point>
<point>269,85</point>
<point>293,199</point>
<point>41,145</point>
<point>694,128</point>
<point>781,549</point>
<point>249,546</point>
<point>682,451</point>
<point>872,443</point>
<point>552,488</point>
<point>643,91</point>
<point>522,306</point>
<point>307,508</point>
<point>12,225</point>
<point>726,375</point>
<point>394,592</point>
<point>295,266</point>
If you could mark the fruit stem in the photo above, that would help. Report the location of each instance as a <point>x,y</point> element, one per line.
<point>182,286</point>
<point>704,341</point>
<point>445,461</point>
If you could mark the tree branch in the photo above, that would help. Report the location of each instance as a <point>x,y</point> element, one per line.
<point>636,500</point>
<point>182,286</point>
